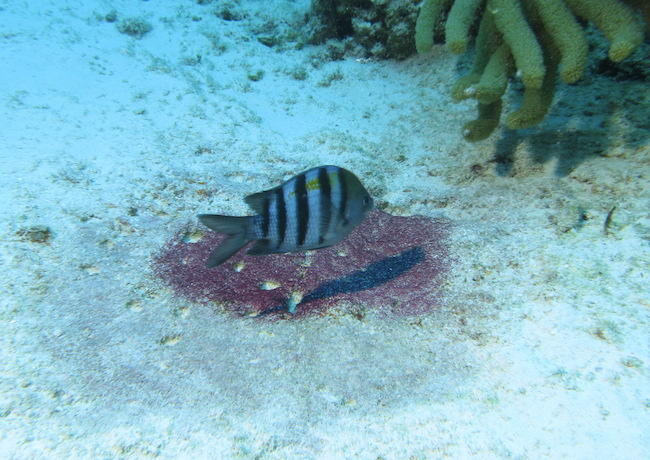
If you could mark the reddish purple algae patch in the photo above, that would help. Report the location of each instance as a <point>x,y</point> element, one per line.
<point>389,263</point>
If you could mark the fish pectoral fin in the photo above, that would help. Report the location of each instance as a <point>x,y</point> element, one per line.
<point>261,247</point>
<point>333,236</point>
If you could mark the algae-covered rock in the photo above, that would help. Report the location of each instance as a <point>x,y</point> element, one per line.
<point>378,28</point>
<point>134,27</point>
<point>36,234</point>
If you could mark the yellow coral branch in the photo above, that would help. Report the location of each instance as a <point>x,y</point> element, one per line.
<point>567,35</point>
<point>460,19</point>
<point>617,22</point>
<point>487,40</point>
<point>541,36</point>
<point>426,23</point>
<point>487,121</point>
<point>536,102</point>
<point>494,80</point>
<point>510,20</point>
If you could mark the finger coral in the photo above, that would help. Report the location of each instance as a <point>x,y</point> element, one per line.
<point>389,263</point>
<point>534,39</point>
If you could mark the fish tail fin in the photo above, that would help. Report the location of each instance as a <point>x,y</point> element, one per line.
<point>234,226</point>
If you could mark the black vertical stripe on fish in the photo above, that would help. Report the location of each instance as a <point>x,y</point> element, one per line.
<point>282,215</point>
<point>344,194</point>
<point>266,215</point>
<point>325,188</point>
<point>302,207</point>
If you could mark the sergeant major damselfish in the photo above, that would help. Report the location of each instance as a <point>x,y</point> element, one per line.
<point>314,209</point>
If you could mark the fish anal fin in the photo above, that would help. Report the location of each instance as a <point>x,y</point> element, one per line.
<point>226,250</point>
<point>261,247</point>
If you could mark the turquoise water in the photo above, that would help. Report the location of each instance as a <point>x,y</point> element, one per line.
<point>494,305</point>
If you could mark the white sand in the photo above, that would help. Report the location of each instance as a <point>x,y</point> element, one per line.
<point>541,350</point>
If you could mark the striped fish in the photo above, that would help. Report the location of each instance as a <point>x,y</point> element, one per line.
<point>315,209</point>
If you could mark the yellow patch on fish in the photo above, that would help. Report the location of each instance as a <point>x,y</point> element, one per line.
<point>315,185</point>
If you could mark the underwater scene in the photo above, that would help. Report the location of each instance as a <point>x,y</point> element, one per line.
<point>325,229</point>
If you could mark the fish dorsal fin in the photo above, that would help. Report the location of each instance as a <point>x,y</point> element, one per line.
<point>256,200</point>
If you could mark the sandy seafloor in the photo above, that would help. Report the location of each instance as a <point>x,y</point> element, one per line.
<point>540,345</point>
